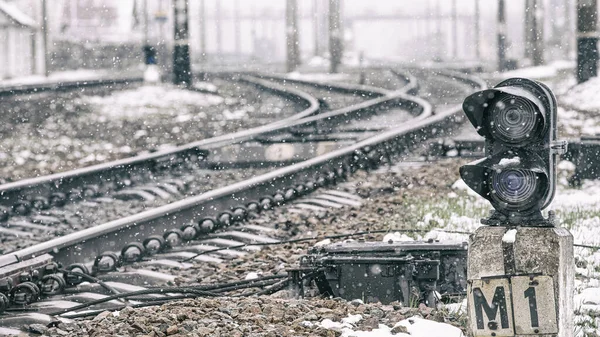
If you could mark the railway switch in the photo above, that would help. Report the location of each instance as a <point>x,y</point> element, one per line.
<point>408,272</point>
<point>520,268</point>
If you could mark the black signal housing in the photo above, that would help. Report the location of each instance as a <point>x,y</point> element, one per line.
<point>517,118</point>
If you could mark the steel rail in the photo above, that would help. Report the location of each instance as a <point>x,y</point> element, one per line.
<point>86,245</point>
<point>65,85</point>
<point>356,89</point>
<point>44,186</point>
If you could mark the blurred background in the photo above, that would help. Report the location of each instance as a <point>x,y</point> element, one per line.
<point>102,34</point>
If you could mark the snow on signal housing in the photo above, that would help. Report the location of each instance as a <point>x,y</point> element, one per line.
<point>517,118</point>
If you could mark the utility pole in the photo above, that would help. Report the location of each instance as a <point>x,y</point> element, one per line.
<point>438,33</point>
<point>528,26</point>
<point>534,32</point>
<point>587,40</point>
<point>202,18</point>
<point>568,28</point>
<point>454,31</point>
<point>219,31</point>
<point>145,22</point>
<point>45,38</point>
<point>501,36</point>
<point>537,33</point>
<point>316,27</point>
<point>181,54</point>
<point>336,43</point>
<point>254,29</point>
<point>150,75</point>
<point>238,31</point>
<point>477,31</point>
<point>293,52</point>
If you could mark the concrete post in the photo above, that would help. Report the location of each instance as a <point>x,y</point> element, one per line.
<point>520,282</point>
<point>568,28</point>
<point>181,54</point>
<point>528,30</point>
<point>336,43</point>
<point>238,27</point>
<point>316,26</point>
<point>202,19</point>
<point>218,23</point>
<point>501,36</point>
<point>454,31</point>
<point>537,26</point>
<point>477,30</point>
<point>291,31</point>
<point>587,40</point>
<point>45,38</point>
<point>439,40</point>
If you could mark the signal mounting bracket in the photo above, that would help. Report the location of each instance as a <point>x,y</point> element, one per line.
<point>532,220</point>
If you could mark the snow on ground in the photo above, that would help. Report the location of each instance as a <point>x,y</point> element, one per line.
<point>410,327</point>
<point>319,77</point>
<point>149,99</point>
<point>584,96</point>
<point>549,71</point>
<point>62,76</point>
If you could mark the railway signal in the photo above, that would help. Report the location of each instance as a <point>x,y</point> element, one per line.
<point>518,120</point>
<point>520,268</point>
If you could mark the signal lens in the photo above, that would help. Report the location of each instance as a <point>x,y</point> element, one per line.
<point>514,120</point>
<point>515,189</point>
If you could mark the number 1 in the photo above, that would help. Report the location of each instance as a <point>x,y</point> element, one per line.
<point>533,312</point>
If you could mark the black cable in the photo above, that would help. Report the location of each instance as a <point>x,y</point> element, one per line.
<point>92,279</point>
<point>137,305</point>
<point>235,283</point>
<point>251,285</point>
<point>135,293</point>
<point>274,288</point>
<point>193,292</point>
<point>585,246</point>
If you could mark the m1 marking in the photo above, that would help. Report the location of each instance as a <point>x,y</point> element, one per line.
<point>530,294</point>
<point>490,308</point>
<point>534,305</point>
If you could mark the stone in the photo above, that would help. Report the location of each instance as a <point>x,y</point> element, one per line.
<point>38,328</point>
<point>399,329</point>
<point>173,329</point>
<point>101,316</point>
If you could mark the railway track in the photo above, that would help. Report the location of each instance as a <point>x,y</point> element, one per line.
<point>182,233</point>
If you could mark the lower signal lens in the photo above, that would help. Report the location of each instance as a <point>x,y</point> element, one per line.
<point>515,189</point>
